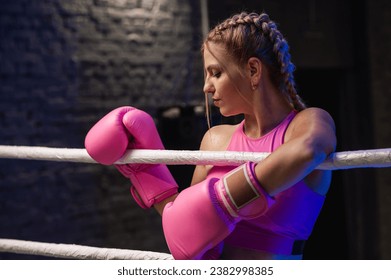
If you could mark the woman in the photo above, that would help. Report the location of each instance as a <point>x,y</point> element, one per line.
<point>262,210</point>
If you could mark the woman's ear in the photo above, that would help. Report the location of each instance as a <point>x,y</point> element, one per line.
<point>255,70</point>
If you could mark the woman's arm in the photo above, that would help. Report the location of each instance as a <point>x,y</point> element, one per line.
<point>200,173</point>
<point>309,139</point>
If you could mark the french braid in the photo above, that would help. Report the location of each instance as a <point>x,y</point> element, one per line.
<point>247,35</point>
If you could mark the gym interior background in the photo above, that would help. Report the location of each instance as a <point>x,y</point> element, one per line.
<point>66,63</point>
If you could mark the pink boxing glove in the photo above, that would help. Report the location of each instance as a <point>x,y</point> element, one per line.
<point>209,211</point>
<point>129,128</point>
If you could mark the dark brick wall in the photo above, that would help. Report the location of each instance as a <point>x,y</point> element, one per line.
<point>64,64</point>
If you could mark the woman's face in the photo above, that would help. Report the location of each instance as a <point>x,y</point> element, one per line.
<point>227,85</point>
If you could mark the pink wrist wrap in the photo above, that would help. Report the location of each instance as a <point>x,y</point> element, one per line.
<point>240,194</point>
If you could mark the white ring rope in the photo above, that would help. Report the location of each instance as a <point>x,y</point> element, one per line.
<point>376,158</point>
<point>68,251</point>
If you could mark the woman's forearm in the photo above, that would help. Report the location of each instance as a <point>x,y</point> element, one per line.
<point>289,164</point>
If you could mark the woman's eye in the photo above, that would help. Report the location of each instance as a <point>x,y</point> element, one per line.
<point>216,74</point>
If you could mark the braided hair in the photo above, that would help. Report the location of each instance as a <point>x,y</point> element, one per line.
<point>247,35</point>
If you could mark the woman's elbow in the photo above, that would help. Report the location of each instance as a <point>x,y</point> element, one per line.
<point>316,151</point>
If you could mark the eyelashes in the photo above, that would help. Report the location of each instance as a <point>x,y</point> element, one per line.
<point>213,71</point>
<point>216,74</point>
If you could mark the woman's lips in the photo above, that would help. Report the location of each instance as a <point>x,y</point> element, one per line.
<point>216,102</point>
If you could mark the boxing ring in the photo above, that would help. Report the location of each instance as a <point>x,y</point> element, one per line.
<point>375,158</point>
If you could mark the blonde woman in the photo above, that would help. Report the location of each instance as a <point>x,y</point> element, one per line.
<point>262,210</point>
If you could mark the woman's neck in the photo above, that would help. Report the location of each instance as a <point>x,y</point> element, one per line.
<point>269,110</point>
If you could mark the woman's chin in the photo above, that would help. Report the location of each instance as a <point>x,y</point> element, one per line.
<point>227,114</point>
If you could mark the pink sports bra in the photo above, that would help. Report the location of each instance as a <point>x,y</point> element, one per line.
<point>290,220</point>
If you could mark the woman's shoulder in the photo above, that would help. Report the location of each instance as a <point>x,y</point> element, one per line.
<point>310,117</point>
<point>313,113</point>
<point>310,121</point>
<point>217,138</point>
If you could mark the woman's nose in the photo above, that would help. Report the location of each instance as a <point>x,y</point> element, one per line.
<point>208,88</point>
